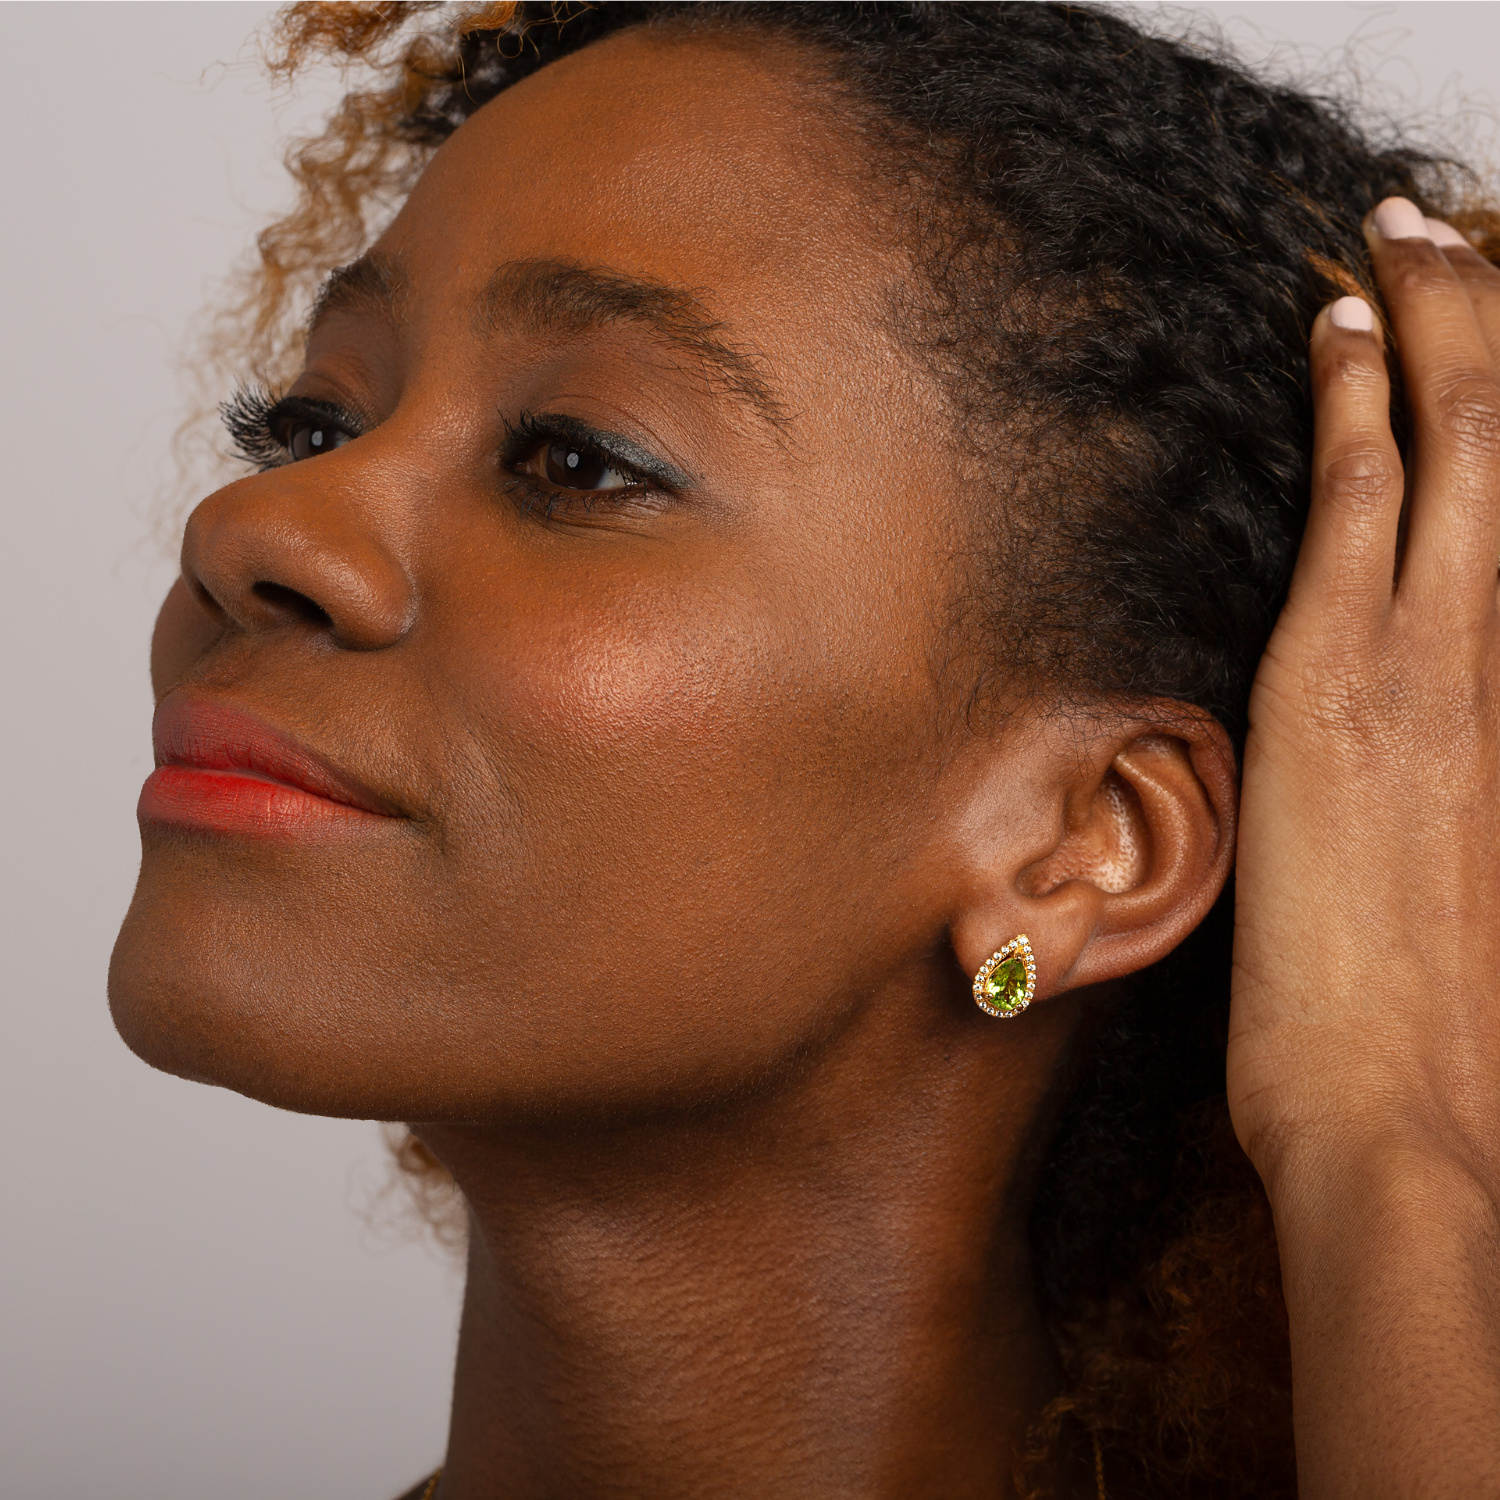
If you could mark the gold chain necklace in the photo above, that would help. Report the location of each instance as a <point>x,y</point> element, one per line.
<point>431,1488</point>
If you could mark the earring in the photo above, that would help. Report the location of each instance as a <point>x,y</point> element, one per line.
<point>1007,981</point>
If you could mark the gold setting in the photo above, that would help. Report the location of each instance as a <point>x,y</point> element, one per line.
<point>986,996</point>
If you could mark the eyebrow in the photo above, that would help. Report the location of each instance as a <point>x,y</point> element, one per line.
<point>562,297</point>
<point>559,296</point>
<point>374,284</point>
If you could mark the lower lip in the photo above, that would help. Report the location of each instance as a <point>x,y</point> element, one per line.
<point>230,802</point>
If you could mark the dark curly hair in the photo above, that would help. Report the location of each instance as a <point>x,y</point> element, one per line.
<point>1123,243</point>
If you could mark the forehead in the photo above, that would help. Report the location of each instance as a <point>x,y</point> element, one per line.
<point>712,163</point>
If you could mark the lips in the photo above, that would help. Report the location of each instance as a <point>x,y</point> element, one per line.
<point>222,771</point>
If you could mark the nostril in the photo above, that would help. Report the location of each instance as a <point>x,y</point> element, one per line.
<point>290,602</point>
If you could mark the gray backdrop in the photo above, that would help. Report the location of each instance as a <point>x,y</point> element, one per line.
<point>200,1296</point>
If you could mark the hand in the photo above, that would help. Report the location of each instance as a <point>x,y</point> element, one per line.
<point>1367,983</point>
<point>1364,1058</point>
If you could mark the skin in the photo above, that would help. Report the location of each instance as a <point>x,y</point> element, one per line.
<point>692,846</point>
<point>1364,1058</point>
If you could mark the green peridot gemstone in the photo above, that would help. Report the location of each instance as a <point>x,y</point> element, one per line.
<point>1005,989</point>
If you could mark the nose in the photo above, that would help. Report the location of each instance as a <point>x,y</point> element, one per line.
<point>285,550</point>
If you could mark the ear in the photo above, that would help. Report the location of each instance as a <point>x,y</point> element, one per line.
<point>1105,853</point>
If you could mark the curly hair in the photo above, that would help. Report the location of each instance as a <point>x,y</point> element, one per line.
<point>1123,242</point>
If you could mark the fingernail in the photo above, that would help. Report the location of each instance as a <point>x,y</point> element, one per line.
<point>1445,234</point>
<point>1353,313</point>
<point>1400,219</point>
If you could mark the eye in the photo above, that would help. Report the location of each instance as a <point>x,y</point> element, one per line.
<point>562,466</point>
<point>576,466</point>
<point>270,431</point>
<point>307,439</point>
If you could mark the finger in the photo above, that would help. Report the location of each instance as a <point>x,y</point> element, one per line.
<point>1480,279</point>
<point>1348,555</point>
<point>1453,536</point>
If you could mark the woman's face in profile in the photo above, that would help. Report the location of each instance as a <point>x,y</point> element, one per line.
<point>607,572</point>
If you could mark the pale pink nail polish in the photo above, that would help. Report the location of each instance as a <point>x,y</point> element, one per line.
<point>1352,313</point>
<point>1444,234</point>
<point>1400,219</point>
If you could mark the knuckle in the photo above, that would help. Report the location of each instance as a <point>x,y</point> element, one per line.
<point>1389,699</point>
<point>1416,271</point>
<point>1468,408</point>
<point>1421,275</point>
<point>1418,268</point>
<point>1361,476</point>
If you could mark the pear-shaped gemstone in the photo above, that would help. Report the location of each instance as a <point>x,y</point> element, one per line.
<point>1005,988</point>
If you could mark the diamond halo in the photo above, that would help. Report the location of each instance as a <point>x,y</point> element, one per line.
<point>993,1004</point>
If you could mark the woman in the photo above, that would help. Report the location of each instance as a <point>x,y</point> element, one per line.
<point>770,546</point>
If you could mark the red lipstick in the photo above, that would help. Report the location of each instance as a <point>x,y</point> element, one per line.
<point>222,771</point>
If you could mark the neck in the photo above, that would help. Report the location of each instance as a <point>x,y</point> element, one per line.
<point>826,1290</point>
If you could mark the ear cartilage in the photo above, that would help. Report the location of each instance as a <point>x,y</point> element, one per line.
<point>1006,981</point>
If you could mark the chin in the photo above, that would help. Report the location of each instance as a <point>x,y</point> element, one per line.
<point>224,974</point>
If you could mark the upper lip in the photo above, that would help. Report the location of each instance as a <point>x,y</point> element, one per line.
<point>212,736</point>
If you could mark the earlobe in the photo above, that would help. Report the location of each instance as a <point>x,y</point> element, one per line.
<point>1144,844</point>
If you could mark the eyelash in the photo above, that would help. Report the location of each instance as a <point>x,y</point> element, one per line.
<point>257,422</point>
<point>530,433</point>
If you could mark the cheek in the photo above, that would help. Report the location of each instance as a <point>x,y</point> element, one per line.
<point>689,788</point>
<point>668,732</point>
<point>667,830</point>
